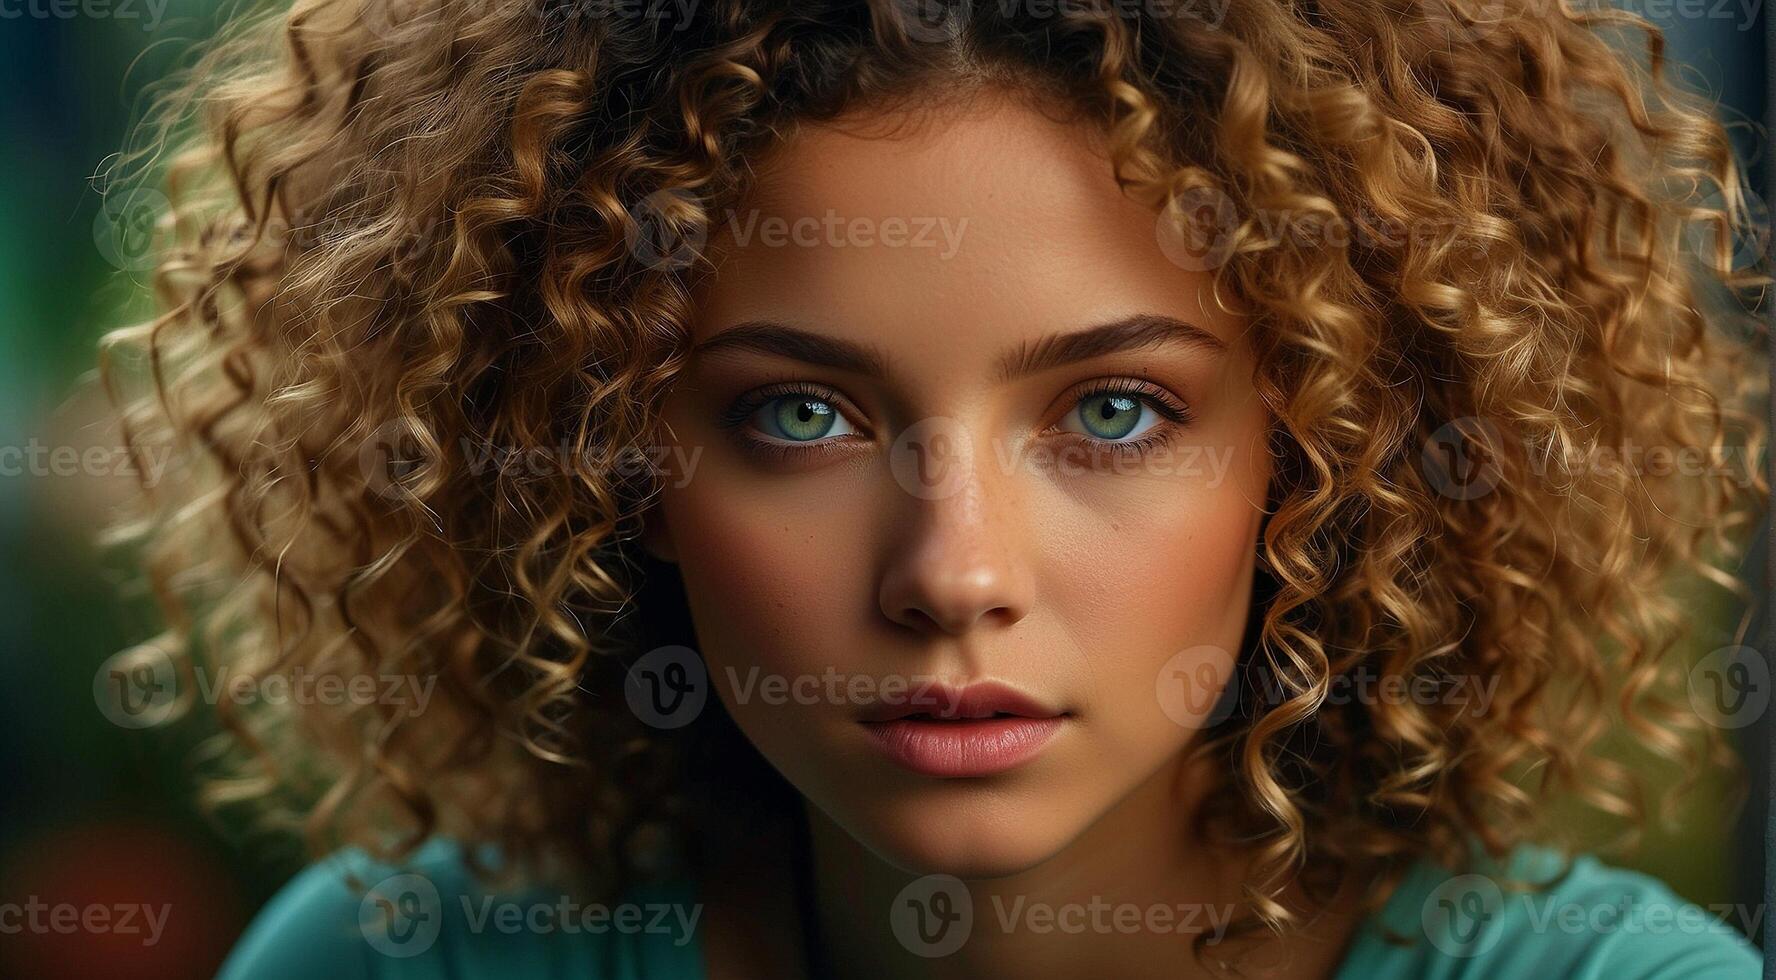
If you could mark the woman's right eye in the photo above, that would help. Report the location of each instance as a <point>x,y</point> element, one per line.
<point>800,418</point>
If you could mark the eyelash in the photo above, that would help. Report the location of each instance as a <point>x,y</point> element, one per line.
<point>1174,415</point>
<point>735,420</point>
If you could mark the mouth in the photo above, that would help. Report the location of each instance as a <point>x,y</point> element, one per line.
<point>945,732</point>
<point>982,700</point>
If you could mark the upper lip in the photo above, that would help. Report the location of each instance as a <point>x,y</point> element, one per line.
<point>981,699</point>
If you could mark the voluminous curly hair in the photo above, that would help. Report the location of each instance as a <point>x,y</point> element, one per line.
<point>416,224</point>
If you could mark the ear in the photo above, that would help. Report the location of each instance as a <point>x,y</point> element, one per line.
<point>656,537</point>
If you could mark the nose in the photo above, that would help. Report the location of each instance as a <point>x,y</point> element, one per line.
<point>958,567</point>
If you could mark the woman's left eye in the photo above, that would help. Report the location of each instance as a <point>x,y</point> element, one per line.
<point>1111,417</point>
<point>800,418</point>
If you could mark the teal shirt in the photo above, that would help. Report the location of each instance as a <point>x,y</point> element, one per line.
<point>431,919</point>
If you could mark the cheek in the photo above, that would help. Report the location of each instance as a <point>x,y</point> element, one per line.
<point>1167,555</point>
<point>1180,573</point>
<point>1157,594</point>
<point>767,567</point>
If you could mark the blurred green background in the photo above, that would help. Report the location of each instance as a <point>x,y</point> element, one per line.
<point>92,812</point>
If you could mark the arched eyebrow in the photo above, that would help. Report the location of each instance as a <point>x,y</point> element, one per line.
<point>782,340</point>
<point>1139,331</point>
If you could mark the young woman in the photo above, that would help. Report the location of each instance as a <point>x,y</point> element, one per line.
<point>1011,489</point>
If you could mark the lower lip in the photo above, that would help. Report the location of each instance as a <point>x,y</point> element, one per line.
<point>965,747</point>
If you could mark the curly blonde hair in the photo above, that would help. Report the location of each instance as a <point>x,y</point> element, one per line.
<point>420,228</point>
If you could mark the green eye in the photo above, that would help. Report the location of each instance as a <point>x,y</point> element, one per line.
<point>800,418</point>
<point>1111,417</point>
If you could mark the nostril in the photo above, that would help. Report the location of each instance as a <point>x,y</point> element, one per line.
<point>946,590</point>
<point>926,620</point>
<point>999,616</point>
<point>918,619</point>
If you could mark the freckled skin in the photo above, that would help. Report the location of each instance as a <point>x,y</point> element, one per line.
<point>1075,587</point>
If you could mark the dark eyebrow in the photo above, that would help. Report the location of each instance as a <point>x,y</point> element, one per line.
<point>1135,332</point>
<point>1141,330</point>
<point>770,337</point>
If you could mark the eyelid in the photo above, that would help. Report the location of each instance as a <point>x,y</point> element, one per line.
<point>1167,405</point>
<point>740,413</point>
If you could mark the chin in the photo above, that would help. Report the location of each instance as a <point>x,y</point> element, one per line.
<point>953,834</point>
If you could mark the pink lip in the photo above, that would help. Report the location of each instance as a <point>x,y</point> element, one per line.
<point>980,730</point>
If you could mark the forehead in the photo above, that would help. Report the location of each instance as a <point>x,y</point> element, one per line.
<point>945,241</point>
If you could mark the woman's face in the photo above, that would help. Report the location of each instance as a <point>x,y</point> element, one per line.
<point>967,445</point>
